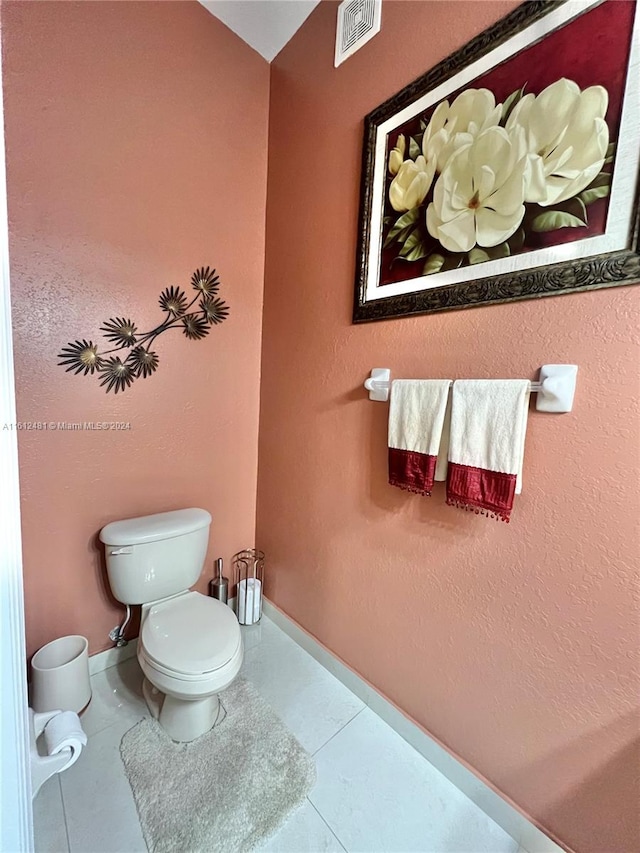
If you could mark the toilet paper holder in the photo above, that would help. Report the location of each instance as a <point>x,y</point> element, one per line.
<point>248,574</point>
<point>43,767</point>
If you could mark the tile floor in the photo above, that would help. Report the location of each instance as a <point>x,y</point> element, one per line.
<point>374,792</point>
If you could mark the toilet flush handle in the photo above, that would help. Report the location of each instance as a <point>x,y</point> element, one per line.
<point>120,551</point>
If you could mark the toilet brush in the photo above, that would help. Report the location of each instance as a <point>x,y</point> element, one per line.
<point>219,586</point>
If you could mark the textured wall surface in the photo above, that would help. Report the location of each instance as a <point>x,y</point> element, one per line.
<point>136,149</point>
<point>516,645</point>
<point>136,145</point>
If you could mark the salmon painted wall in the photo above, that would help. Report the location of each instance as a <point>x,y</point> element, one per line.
<point>136,149</point>
<point>515,645</point>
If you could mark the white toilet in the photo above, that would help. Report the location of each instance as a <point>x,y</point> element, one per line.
<point>190,646</point>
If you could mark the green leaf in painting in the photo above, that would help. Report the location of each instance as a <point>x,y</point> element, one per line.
<point>510,103</point>
<point>414,148</point>
<point>398,237</point>
<point>602,179</point>
<point>452,261</point>
<point>589,196</point>
<point>478,256</point>
<point>442,263</point>
<point>416,254</point>
<point>574,207</point>
<point>516,241</point>
<point>413,239</point>
<point>500,251</point>
<point>554,219</point>
<point>434,263</point>
<point>403,223</point>
<point>611,152</point>
<point>414,248</point>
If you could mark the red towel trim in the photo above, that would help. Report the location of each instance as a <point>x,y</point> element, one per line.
<point>480,490</point>
<point>411,471</point>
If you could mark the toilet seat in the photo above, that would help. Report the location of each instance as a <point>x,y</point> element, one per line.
<point>190,636</point>
<point>188,687</point>
<point>176,675</point>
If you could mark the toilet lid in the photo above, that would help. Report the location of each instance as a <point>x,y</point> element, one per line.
<point>191,634</point>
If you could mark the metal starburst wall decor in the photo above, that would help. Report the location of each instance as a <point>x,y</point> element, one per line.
<point>118,373</point>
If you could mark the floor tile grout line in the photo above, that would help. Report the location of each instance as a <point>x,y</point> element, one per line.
<point>372,694</point>
<point>315,752</point>
<point>64,814</point>
<point>101,729</point>
<point>113,723</point>
<point>320,815</point>
<point>110,725</point>
<point>292,644</point>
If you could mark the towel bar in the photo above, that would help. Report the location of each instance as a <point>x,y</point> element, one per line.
<point>555,388</point>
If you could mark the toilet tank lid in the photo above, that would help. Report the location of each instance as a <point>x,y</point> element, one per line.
<point>153,528</point>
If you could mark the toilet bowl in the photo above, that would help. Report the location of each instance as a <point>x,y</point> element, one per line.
<point>190,649</point>
<point>190,646</point>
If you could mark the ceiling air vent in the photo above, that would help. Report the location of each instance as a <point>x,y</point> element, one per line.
<point>358,21</point>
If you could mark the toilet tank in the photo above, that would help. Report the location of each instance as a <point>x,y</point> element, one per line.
<point>154,556</point>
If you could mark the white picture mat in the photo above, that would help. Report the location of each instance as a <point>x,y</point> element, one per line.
<point>623,188</point>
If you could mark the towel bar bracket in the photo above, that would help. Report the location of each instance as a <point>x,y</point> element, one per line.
<point>379,384</point>
<point>555,388</point>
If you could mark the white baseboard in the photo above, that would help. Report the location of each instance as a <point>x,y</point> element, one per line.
<point>532,839</point>
<point>110,657</point>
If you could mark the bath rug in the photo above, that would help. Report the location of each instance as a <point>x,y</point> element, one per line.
<point>228,790</point>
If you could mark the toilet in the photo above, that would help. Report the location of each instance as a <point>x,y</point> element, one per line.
<point>190,646</point>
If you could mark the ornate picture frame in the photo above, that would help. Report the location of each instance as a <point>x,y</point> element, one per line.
<point>510,170</point>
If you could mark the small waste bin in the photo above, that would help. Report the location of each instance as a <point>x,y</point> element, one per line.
<point>60,675</point>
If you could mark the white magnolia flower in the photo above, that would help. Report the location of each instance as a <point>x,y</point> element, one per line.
<point>452,127</point>
<point>566,137</point>
<point>435,136</point>
<point>478,199</point>
<point>396,156</point>
<point>412,183</point>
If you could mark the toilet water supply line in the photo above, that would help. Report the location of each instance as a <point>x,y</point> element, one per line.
<point>116,635</point>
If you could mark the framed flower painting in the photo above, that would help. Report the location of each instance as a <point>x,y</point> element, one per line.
<point>510,170</point>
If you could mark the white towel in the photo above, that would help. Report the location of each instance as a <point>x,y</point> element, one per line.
<point>416,420</point>
<point>64,731</point>
<point>486,449</point>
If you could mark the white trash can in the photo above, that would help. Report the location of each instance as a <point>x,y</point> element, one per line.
<point>60,675</point>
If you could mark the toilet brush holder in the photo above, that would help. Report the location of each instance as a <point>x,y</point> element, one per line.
<point>219,586</point>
